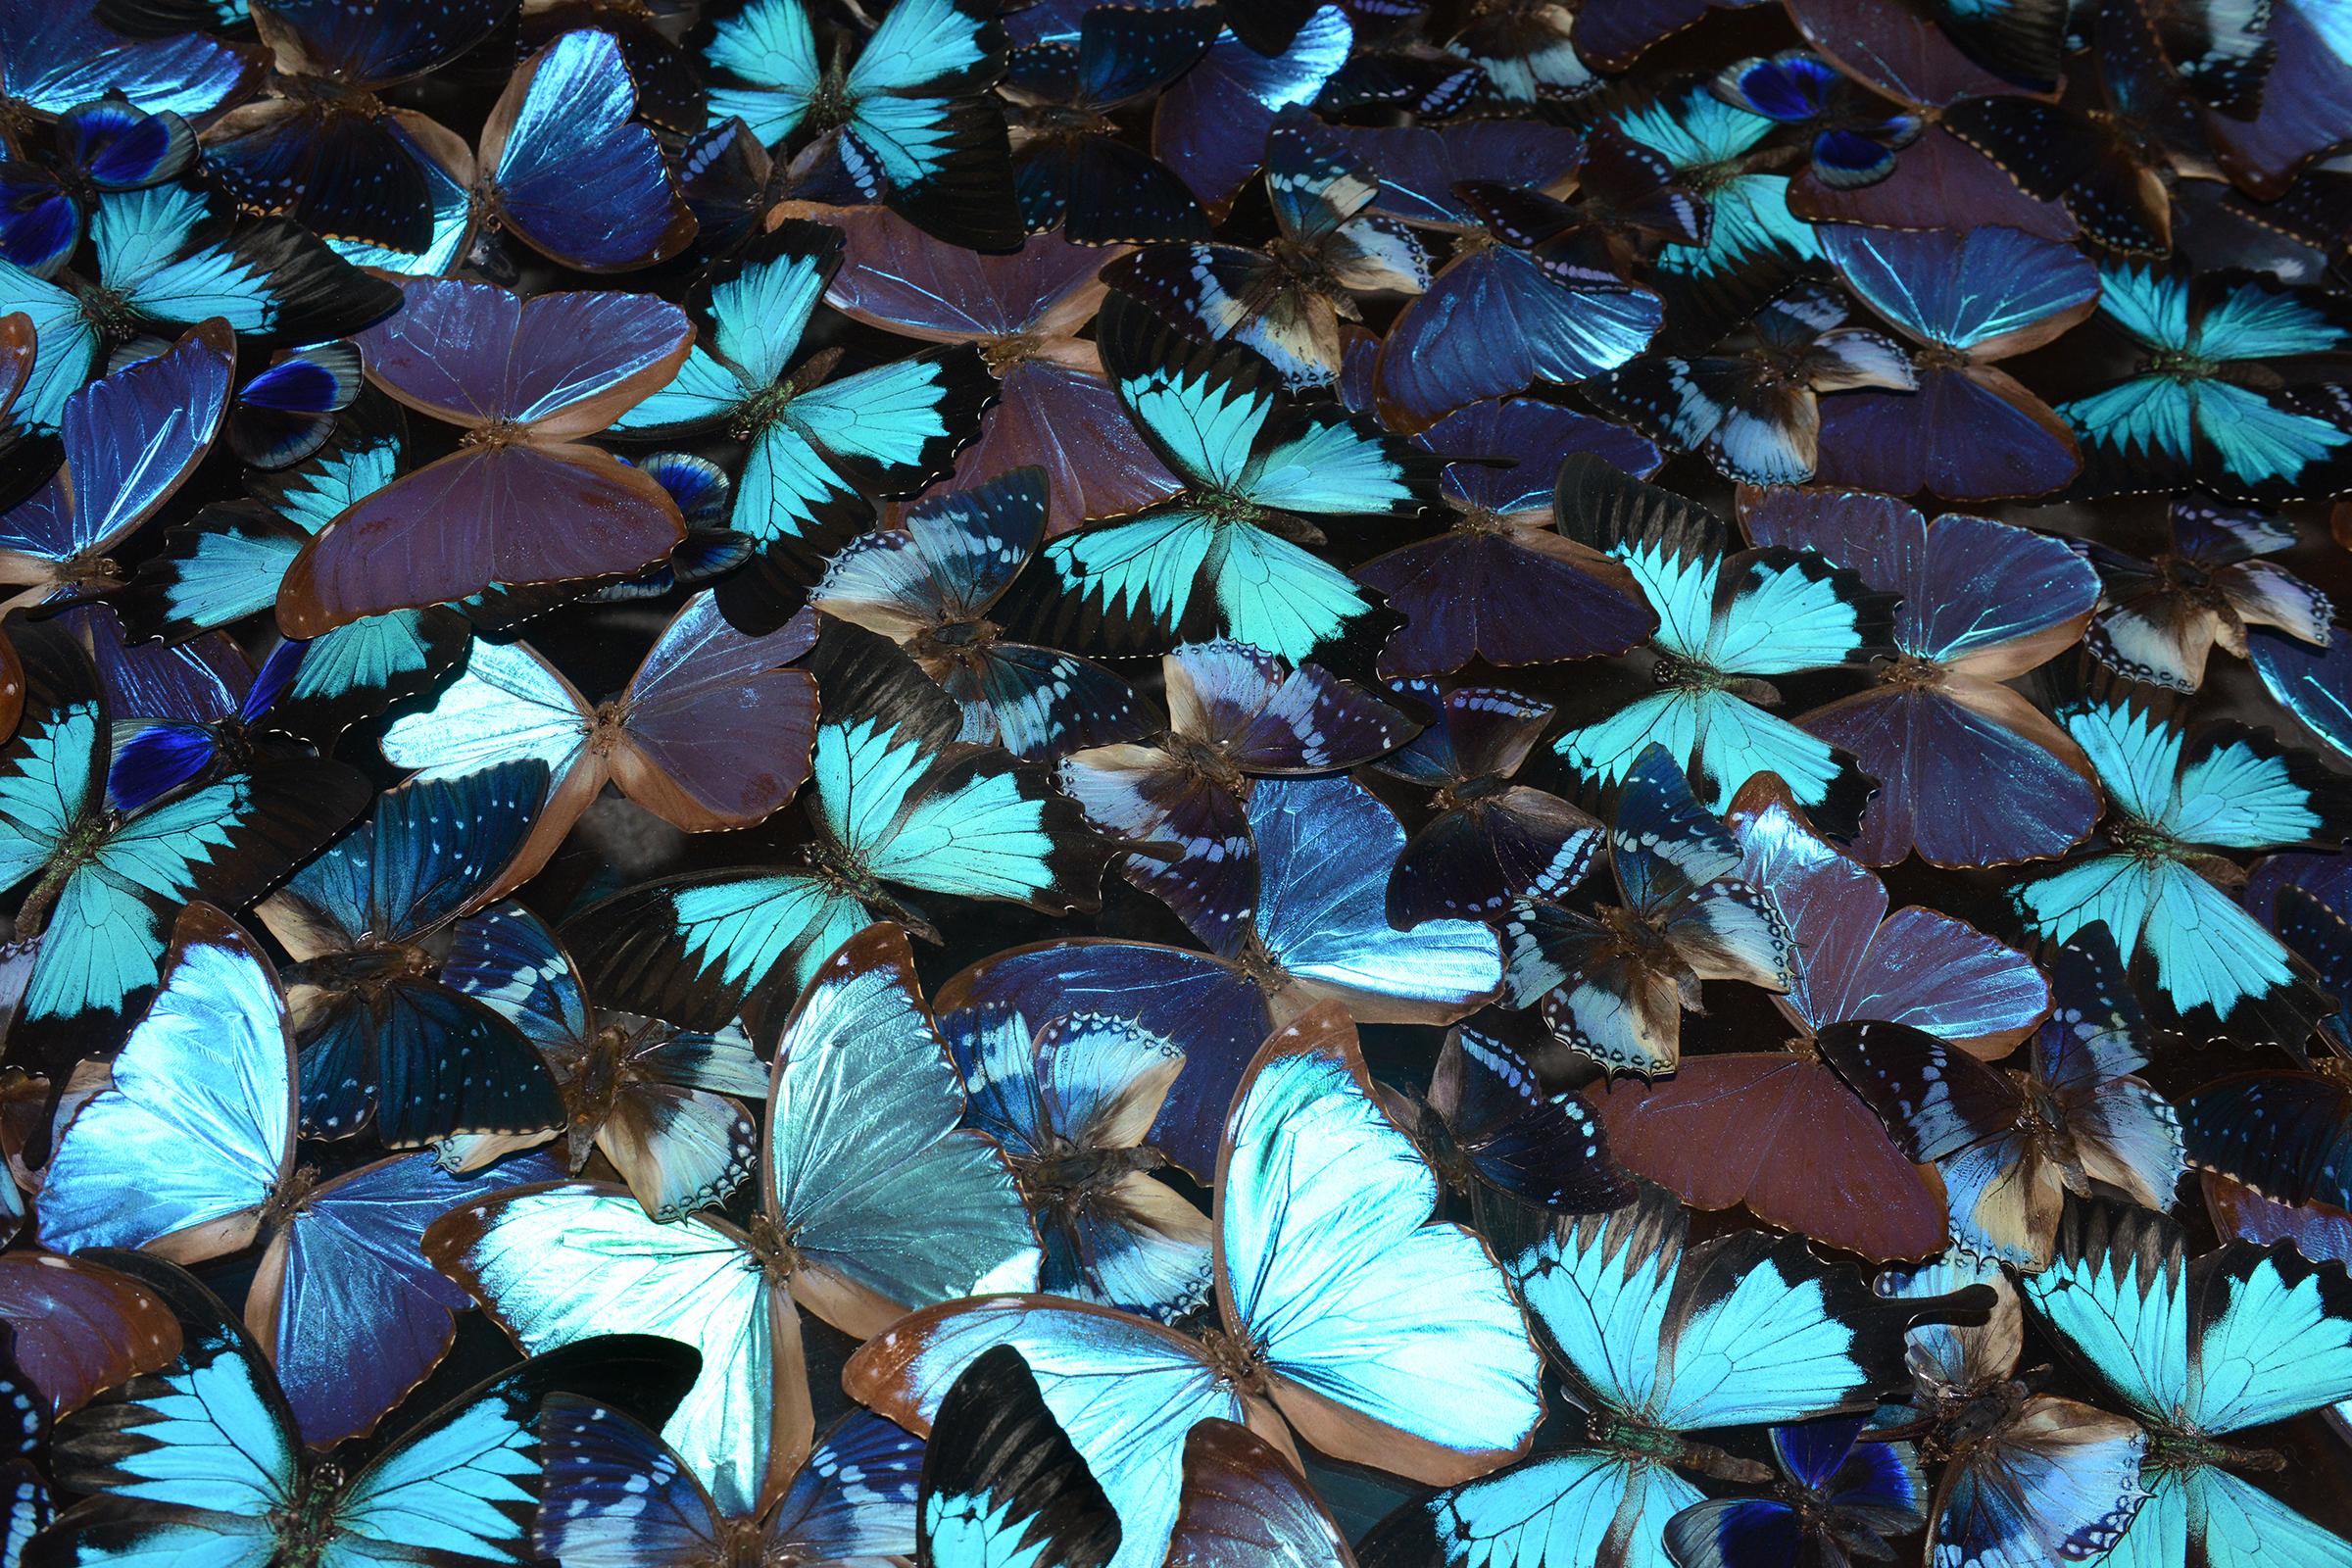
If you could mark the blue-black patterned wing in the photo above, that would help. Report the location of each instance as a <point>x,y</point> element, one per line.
<point>1001,1482</point>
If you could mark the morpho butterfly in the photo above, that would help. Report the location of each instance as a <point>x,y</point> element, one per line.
<point>1287,301</point>
<point>1725,621</point>
<point>1855,137</point>
<point>1001,1482</point>
<point>871,1202</point>
<point>1229,556</point>
<point>523,501</point>
<point>818,443</point>
<point>384,1041</point>
<point>1969,773</point>
<point>1211,125</point>
<point>130,438</point>
<point>2175,800</point>
<point>2198,1351</point>
<point>1489,841</point>
<point>188,1153</point>
<point>2217,403</point>
<point>669,87</point>
<point>899,799</point>
<point>56,55</point>
<point>1657,1340</point>
<point>1343,1312</point>
<point>1838,1498</point>
<point>1071,1103</point>
<point>929,584</point>
<point>1054,408</point>
<point>910,121</point>
<point>107,145</point>
<point>204,1456</point>
<point>1235,714</point>
<point>1614,983</point>
<point>2162,619</point>
<point>713,732</point>
<point>288,410</point>
<point>1775,1130</point>
<point>1069,167</point>
<point>2011,1143</point>
<point>650,1098</point>
<point>1969,431</point>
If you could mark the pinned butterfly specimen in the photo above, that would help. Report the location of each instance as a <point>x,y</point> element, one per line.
<point>1001,1482</point>
<point>1777,1131</point>
<point>1969,771</point>
<point>871,1202</point>
<point>669,87</point>
<point>1968,432</point>
<point>711,732</point>
<point>910,121</point>
<point>1524,50</point>
<point>2302,113</point>
<point>2162,619</point>
<point>2217,403</point>
<point>929,584</point>
<point>1503,584</point>
<point>1383,1337</point>
<point>1615,983</point>
<point>1229,556</point>
<point>207,720</point>
<point>1235,714</point>
<point>462,1484</point>
<point>1837,1499</point>
<point>106,145</point>
<point>56,58</point>
<point>2177,799</point>
<point>1751,407</point>
<point>449,171</point>
<point>526,500</point>
<point>130,439</point>
<point>385,1043</point>
<point>1489,841</point>
<point>80,1327</point>
<point>1071,1103</point>
<point>1855,137</point>
<point>1662,1342</point>
<point>1287,301</point>
<point>1244,1500</point>
<point>2199,1351</point>
<point>1054,408</point>
<point>1069,167</point>
<point>1726,622</point>
<point>1211,125</point>
<point>167,261</point>
<point>818,443</point>
<point>899,799</point>
<point>288,410</point>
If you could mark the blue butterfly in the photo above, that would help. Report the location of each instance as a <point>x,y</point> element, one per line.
<point>287,412</point>
<point>109,146</point>
<point>911,120</point>
<point>1659,1341</point>
<point>1856,136</point>
<point>1838,1498</point>
<point>174,742</point>
<point>2198,1351</point>
<point>55,56</point>
<point>1388,1338</point>
<point>446,165</point>
<point>1487,1126</point>
<point>384,1041</point>
<point>872,1201</point>
<point>204,1456</point>
<point>1001,1482</point>
<point>1210,123</point>
<point>1725,621</point>
<point>24,1503</point>
<point>819,445</point>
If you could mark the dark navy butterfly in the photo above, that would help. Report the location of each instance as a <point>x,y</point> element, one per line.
<point>56,55</point>
<point>1838,1497</point>
<point>1210,123</point>
<point>1001,1484</point>
<point>110,145</point>
<point>2162,619</point>
<point>1855,137</point>
<point>287,412</point>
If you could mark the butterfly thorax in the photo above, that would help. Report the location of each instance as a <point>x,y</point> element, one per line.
<point>1238,1363</point>
<point>1032,119</point>
<point>1964,1422</point>
<point>289,1198</point>
<point>1640,936</point>
<point>2181,1449</point>
<point>370,972</point>
<point>832,104</point>
<point>964,644</point>
<point>1303,262</point>
<point>743,1544</point>
<point>1685,674</point>
<point>1258,968</point>
<point>1467,794</point>
<point>107,310</point>
<point>1205,760</point>
<point>2043,1122</point>
<point>1068,1177</point>
<point>2180,364</point>
<point>607,725</point>
<point>1911,672</point>
<point>772,1249</point>
<point>762,409</point>
<point>1001,354</point>
<point>1481,520</point>
<point>305,1526</point>
<point>593,1088</point>
<point>2143,841</point>
<point>2183,576</point>
<point>78,846</point>
<point>494,435</point>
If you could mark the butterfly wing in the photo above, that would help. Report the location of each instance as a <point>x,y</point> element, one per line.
<point>615,1495</point>
<point>1245,1503</point>
<point>1001,1481</point>
<point>703,694</point>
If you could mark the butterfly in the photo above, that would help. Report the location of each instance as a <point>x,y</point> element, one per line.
<point>2302,110</point>
<point>2211,405</point>
<point>1854,138</point>
<point>385,1043</point>
<point>818,443</point>
<point>1725,621</point>
<point>1969,431</point>
<point>1211,125</point>
<point>1658,1340</point>
<point>1838,1498</point>
<point>1286,301</point>
<point>287,412</point>
<point>651,1098</point>
<point>56,58</point>
<point>1001,1482</point>
<point>1775,1130</point>
<point>1072,1104</point>
<point>929,585</point>
<point>108,144</point>
<point>1227,555</point>
<point>2162,619</point>
<point>541,372</point>
<point>1235,714</point>
<point>1969,773</point>
<point>2011,1144</point>
<point>207,725</point>
<point>1339,1312</point>
<point>1244,1502</point>
<point>80,1328</point>
<point>910,121</point>
<point>871,1202</point>
<point>1523,51</point>
<point>447,167</point>
<point>23,1433</point>
<point>205,1455</point>
<point>2199,1351</point>
<point>899,799</point>
<point>1421,169</point>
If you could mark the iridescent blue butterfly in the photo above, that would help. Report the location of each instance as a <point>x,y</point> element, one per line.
<point>1001,1482</point>
<point>1726,622</point>
<point>385,1043</point>
<point>911,120</point>
<point>2162,619</point>
<point>447,165</point>
<point>162,746</point>
<point>110,145</point>
<point>1421,167</point>
<point>1212,123</point>
<point>287,412</point>
<point>1855,137</point>
<point>205,1455</point>
<point>1838,1498</point>
<point>56,56</point>
<point>2312,682</point>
